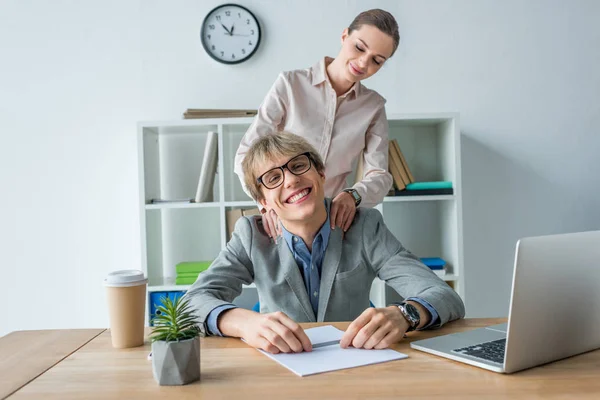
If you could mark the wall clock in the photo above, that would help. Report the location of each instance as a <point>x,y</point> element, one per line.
<point>230,34</point>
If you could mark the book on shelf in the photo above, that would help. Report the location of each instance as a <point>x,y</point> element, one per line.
<point>163,201</point>
<point>191,267</point>
<point>397,161</point>
<point>436,264</point>
<point>429,185</point>
<point>422,192</point>
<point>194,113</point>
<point>204,192</point>
<point>400,156</point>
<point>394,169</point>
<point>232,215</point>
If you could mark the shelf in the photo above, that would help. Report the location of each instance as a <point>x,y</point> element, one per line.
<point>170,157</point>
<point>393,199</point>
<point>387,199</point>
<point>449,277</point>
<point>214,204</point>
<point>161,206</point>
<point>168,285</point>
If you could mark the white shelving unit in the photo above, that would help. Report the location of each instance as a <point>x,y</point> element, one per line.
<point>170,155</point>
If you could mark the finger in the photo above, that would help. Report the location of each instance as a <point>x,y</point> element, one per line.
<point>272,227</point>
<point>355,327</point>
<point>349,219</point>
<point>278,225</point>
<point>377,336</point>
<point>267,346</point>
<point>332,214</point>
<point>289,339</point>
<point>275,339</point>
<point>389,339</point>
<point>342,218</point>
<point>300,338</point>
<point>365,334</point>
<point>265,221</point>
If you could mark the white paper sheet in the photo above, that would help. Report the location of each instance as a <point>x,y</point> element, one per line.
<point>333,357</point>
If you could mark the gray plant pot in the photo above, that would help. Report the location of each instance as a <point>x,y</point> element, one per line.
<point>176,363</point>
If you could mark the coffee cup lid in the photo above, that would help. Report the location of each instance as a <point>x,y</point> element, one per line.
<point>125,278</point>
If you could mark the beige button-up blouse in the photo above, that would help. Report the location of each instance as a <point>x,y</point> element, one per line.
<point>340,128</point>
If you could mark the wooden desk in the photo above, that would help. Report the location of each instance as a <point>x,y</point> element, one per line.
<point>24,355</point>
<point>230,369</point>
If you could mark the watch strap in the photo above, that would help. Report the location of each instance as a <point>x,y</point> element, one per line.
<point>413,321</point>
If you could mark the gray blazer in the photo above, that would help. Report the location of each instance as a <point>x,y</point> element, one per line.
<point>367,250</point>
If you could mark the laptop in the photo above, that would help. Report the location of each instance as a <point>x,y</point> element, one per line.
<point>554,308</point>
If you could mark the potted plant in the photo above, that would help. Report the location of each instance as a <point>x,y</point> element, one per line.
<point>175,343</point>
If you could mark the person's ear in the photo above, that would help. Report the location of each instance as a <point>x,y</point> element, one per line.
<point>263,202</point>
<point>345,35</point>
<point>322,175</point>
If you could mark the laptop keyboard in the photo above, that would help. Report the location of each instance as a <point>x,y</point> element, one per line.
<point>490,351</point>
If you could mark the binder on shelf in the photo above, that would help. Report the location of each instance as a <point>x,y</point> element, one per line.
<point>204,192</point>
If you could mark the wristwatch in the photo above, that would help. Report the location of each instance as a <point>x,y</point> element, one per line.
<point>355,195</point>
<point>411,314</point>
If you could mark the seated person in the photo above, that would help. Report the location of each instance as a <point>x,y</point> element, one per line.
<point>313,274</point>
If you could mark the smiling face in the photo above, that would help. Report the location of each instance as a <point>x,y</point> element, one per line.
<point>299,199</point>
<point>364,51</point>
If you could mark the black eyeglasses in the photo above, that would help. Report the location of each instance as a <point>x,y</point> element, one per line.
<point>274,177</point>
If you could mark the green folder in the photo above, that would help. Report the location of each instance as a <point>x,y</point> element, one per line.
<point>188,275</point>
<point>429,185</point>
<point>192,266</point>
<point>185,281</point>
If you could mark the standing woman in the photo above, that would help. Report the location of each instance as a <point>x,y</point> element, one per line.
<point>327,105</point>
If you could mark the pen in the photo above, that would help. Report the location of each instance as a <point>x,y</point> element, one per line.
<point>317,345</point>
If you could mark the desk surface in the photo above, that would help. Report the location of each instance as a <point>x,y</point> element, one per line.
<point>231,369</point>
<point>24,355</point>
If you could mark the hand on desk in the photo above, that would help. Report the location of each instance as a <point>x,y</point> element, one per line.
<point>273,332</point>
<point>375,328</point>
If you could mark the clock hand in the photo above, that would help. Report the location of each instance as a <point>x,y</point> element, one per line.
<point>224,27</point>
<point>238,34</point>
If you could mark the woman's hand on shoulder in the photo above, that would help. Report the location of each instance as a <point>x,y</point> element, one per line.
<point>343,210</point>
<point>270,222</point>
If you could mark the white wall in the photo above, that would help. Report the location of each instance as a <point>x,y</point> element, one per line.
<point>76,78</point>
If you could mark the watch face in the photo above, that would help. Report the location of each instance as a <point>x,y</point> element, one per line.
<point>412,311</point>
<point>230,34</point>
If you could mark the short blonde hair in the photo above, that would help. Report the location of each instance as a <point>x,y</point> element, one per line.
<point>275,145</point>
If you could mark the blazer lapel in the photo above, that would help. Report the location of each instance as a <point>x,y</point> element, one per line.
<point>294,279</point>
<point>331,262</point>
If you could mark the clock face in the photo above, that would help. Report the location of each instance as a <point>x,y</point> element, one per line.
<point>230,34</point>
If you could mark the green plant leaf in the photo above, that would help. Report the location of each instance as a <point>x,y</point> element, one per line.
<point>176,321</point>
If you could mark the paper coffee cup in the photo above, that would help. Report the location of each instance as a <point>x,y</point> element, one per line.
<point>126,294</point>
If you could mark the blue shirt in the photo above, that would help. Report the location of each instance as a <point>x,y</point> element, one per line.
<point>310,263</point>
<point>310,267</point>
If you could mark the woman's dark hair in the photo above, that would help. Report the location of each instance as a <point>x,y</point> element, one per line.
<point>380,19</point>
